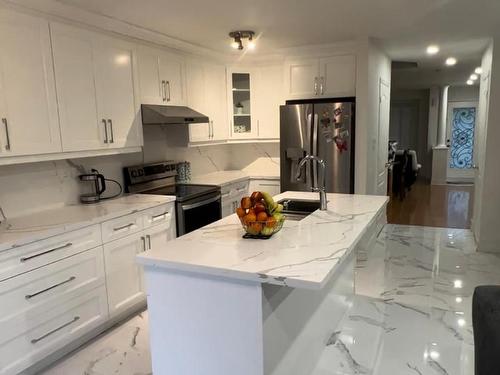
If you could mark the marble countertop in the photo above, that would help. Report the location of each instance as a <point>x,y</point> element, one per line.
<point>43,224</point>
<point>222,178</point>
<point>304,254</point>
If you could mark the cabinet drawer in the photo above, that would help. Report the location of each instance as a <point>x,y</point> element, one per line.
<point>240,188</point>
<point>121,227</point>
<point>49,330</point>
<point>51,284</point>
<point>159,215</point>
<point>26,258</point>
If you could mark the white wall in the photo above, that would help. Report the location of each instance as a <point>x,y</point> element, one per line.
<point>463,93</point>
<point>372,66</point>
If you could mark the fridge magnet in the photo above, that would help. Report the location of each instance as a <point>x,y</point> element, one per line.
<point>341,140</point>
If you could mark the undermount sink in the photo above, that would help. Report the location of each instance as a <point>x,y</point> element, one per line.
<point>298,209</point>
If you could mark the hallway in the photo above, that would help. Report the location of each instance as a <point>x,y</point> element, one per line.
<point>445,206</point>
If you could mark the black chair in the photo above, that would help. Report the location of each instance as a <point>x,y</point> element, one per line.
<point>486,323</point>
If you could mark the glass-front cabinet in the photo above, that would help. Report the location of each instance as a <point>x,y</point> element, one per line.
<point>241,100</point>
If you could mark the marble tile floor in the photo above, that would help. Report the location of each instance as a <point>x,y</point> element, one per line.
<point>411,313</point>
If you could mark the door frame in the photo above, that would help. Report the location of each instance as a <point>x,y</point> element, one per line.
<point>381,178</point>
<point>467,175</point>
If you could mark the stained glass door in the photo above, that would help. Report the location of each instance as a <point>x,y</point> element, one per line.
<point>461,131</point>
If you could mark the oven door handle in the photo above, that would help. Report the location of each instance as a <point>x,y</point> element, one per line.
<point>186,207</point>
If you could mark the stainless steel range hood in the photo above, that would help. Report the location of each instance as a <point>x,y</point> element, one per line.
<point>170,114</point>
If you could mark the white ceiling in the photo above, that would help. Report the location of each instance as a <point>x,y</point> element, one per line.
<point>403,27</point>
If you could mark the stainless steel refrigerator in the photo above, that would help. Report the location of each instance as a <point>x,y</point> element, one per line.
<point>324,129</point>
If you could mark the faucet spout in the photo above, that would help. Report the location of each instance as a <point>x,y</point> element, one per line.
<point>322,190</point>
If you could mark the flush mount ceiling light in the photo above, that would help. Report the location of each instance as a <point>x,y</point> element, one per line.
<point>470,82</point>
<point>238,36</point>
<point>450,61</point>
<point>432,49</point>
<point>473,77</point>
<point>478,70</point>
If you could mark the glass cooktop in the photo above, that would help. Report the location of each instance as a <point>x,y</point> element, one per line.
<point>184,192</point>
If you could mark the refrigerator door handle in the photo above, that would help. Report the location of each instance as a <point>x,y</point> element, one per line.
<point>315,85</point>
<point>315,152</point>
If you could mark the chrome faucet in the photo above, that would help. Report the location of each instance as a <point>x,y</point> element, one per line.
<point>322,190</point>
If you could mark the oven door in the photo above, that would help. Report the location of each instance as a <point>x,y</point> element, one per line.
<point>197,213</point>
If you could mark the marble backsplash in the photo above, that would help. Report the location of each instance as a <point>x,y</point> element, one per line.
<point>32,187</point>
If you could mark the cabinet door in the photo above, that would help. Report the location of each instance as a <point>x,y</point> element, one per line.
<point>123,275</point>
<point>195,85</point>
<point>115,91</point>
<point>338,76</point>
<point>215,93</point>
<point>151,88</point>
<point>158,236</point>
<point>30,117</point>
<point>269,96</point>
<point>301,78</point>
<point>172,72</point>
<point>241,102</point>
<point>74,70</point>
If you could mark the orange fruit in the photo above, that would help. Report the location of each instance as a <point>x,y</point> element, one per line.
<point>240,212</point>
<point>262,216</point>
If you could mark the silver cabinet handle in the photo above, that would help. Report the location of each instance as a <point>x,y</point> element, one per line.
<point>105,130</point>
<point>143,243</point>
<point>163,91</point>
<point>149,241</point>
<point>112,140</point>
<point>315,85</point>
<point>123,227</point>
<point>7,146</point>
<point>29,296</point>
<point>75,319</point>
<point>168,87</point>
<point>24,259</point>
<point>154,217</point>
<point>322,82</point>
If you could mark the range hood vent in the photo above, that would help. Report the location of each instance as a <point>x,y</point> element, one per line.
<point>170,114</point>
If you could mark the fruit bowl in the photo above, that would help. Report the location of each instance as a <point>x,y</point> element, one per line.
<point>260,215</point>
<point>262,229</point>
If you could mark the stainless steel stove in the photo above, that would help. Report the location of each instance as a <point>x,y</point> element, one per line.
<point>196,205</point>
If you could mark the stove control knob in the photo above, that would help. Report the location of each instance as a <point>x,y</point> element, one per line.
<point>134,173</point>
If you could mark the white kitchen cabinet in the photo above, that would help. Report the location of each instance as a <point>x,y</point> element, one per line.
<point>333,76</point>
<point>29,118</point>
<point>158,236</point>
<point>268,98</point>
<point>231,195</point>
<point>241,101</point>
<point>123,275</point>
<point>94,76</point>
<point>272,186</point>
<point>338,76</point>
<point>161,77</point>
<point>206,90</point>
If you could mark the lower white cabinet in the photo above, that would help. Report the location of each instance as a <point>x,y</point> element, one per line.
<point>158,236</point>
<point>29,338</point>
<point>271,186</point>
<point>123,275</point>
<point>231,195</point>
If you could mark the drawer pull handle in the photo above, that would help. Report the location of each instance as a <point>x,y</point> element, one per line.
<point>270,184</point>
<point>29,296</point>
<point>34,341</point>
<point>24,259</point>
<point>242,189</point>
<point>149,241</point>
<point>123,227</point>
<point>225,195</point>
<point>155,217</point>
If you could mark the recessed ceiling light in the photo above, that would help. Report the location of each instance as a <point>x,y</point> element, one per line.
<point>478,70</point>
<point>432,49</point>
<point>474,77</point>
<point>450,61</point>
<point>470,82</point>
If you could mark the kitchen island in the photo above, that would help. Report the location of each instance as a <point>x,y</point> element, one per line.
<point>221,304</point>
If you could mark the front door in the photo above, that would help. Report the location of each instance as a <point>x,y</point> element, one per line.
<point>461,131</point>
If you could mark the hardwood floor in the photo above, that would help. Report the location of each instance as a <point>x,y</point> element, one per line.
<point>447,206</point>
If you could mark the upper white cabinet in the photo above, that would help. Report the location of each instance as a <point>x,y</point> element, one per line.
<point>161,77</point>
<point>333,76</point>
<point>95,90</point>
<point>206,93</point>
<point>268,98</point>
<point>28,105</point>
<point>241,84</point>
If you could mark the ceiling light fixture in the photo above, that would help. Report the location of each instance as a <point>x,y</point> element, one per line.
<point>237,37</point>
<point>474,77</point>
<point>432,49</point>
<point>450,61</point>
<point>470,82</point>
<point>478,70</point>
